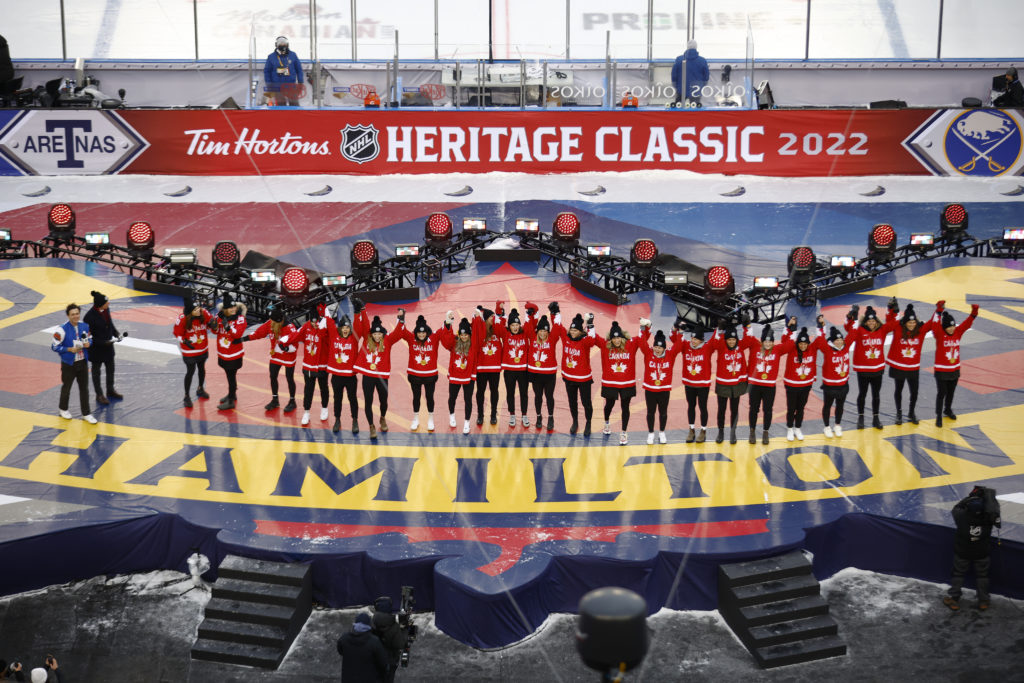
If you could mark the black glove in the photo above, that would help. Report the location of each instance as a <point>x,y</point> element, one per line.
<point>553,308</point>
<point>894,305</point>
<point>401,315</point>
<point>283,347</point>
<point>590,321</point>
<point>746,319</point>
<point>854,312</point>
<point>244,338</point>
<point>791,324</point>
<point>531,308</point>
<point>187,344</point>
<point>679,324</point>
<point>357,305</point>
<point>723,324</point>
<point>236,341</point>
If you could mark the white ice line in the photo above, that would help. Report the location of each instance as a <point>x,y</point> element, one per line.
<point>4,500</point>
<point>1013,497</point>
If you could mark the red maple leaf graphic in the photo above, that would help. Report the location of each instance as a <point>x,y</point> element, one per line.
<point>512,540</point>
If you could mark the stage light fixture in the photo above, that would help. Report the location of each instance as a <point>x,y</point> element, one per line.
<point>527,226</point>
<point>719,284</point>
<point>800,263</point>
<point>922,241</point>
<point>61,220</point>
<point>644,253</point>
<point>599,251</point>
<point>474,225</point>
<point>263,276</point>
<point>364,255</point>
<point>579,267</point>
<point>1012,236</point>
<point>566,228</point>
<point>97,239</point>
<point>294,286</point>
<point>407,251</point>
<point>438,229</point>
<point>334,280</point>
<point>182,256</point>
<point>882,241</point>
<point>842,263</point>
<point>766,283</point>
<point>5,235</point>
<point>954,222</point>
<point>140,239</point>
<point>226,256</point>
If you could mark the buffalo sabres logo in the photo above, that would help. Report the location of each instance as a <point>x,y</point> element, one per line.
<point>359,143</point>
<point>975,142</point>
<point>983,143</point>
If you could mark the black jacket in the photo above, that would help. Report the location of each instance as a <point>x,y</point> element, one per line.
<point>103,333</point>
<point>391,635</point>
<point>1013,97</point>
<point>363,658</point>
<point>973,529</point>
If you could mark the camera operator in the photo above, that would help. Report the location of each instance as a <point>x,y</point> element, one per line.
<point>975,516</point>
<point>14,671</point>
<point>1013,94</point>
<point>391,634</point>
<point>363,658</point>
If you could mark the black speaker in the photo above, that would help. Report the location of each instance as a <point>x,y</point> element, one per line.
<point>612,629</point>
<point>970,103</point>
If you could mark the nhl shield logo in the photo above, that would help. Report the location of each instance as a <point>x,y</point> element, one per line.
<point>983,142</point>
<point>359,143</point>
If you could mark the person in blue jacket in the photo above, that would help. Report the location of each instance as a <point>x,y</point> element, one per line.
<point>72,341</point>
<point>696,72</point>
<point>282,75</point>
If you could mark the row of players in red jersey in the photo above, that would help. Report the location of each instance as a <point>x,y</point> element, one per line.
<point>525,353</point>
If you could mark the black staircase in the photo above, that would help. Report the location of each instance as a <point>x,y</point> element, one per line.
<point>775,607</point>
<point>256,610</point>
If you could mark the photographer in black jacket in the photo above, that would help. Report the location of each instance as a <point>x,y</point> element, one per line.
<point>391,634</point>
<point>975,516</point>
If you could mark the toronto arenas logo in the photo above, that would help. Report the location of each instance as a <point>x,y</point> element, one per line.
<point>976,142</point>
<point>359,143</point>
<point>70,142</point>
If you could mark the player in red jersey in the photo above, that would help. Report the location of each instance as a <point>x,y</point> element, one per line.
<point>730,378</point>
<point>374,363</point>
<point>515,339</point>
<point>618,374</point>
<point>424,343</point>
<point>696,364</point>
<point>488,367</point>
<point>658,365</point>
<point>798,377</point>
<point>868,341</point>
<point>576,373</point>
<point>762,375</point>
<point>947,357</point>
<point>461,364</point>
<point>543,363</point>
<point>313,337</point>
<point>282,355</point>
<point>190,331</point>
<point>342,348</point>
<point>835,379</point>
<point>904,360</point>
<point>229,324</point>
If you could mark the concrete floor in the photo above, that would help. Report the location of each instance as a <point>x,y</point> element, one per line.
<point>140,628</point>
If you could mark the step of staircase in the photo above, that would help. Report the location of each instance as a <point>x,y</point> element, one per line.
<point>235,567</point>
<point>795,629</point>
<point>765,569</point>
<point>262,656</point>
<point>256,591</point>
<point>248,632</point>
<point>783,610</point>
<point>796,652</point>
<point>253,612</point>
<point>776,590</point>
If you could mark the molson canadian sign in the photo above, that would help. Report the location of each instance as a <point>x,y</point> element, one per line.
<point>776,143</point>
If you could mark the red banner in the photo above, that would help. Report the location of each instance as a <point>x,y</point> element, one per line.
<point>225,142</point>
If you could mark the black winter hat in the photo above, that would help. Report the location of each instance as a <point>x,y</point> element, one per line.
<point>659,339</point>
<point>908,315</point>
<point>577,323</point>
<point>376,326</point>
<point>698,333</point>
<point>344,321</point>
<point>767,334</point>
<point>277,313</point>
<point>869,314</point>
<point>947,320</point>
<point>803,336</point>
<point>188,304</point>
<point>834,333</point>
<point>465,327</point>
<point>616,331</point>
<point>228,301</point>
<point>731,333</point>
<point>486,313</point>
<point>421,325</point>
<point>543,323</point>
<point>513,316</point>
<point>98,299</point>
